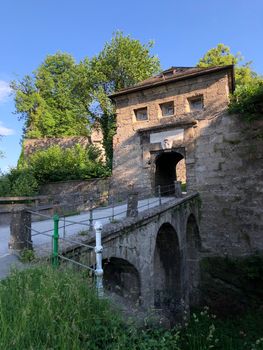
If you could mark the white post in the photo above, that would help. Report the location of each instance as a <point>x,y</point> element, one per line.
<point>98,252</point>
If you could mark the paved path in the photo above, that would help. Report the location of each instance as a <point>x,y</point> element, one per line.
<point>66,228</point>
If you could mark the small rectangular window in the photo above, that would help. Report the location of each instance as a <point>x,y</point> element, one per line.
<point>196,103</point>
<point>141,114</point>
<point>167,109</point>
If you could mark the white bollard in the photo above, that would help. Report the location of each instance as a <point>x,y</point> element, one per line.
<point>98,252</point>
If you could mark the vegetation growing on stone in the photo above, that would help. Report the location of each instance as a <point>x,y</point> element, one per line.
<point>51,165</point>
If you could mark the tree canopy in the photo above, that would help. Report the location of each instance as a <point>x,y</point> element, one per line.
<point>123,62</point>
<point>221,55</point>
<point>54,100</point>
<point>62,97</point>
<point>248,96</point>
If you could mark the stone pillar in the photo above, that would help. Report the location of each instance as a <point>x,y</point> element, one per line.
<point>132,206</point>
<point>177,189</point>
<point>20,230</point>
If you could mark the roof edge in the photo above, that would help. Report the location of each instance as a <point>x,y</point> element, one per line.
<point>178,78</point>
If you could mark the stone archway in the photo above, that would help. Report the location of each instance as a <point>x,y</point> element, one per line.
<point>169,167</point>
<point>122,278</point>
<point>167,272</point>
<point>193,242</point>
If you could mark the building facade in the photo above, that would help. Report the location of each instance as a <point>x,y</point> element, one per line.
<point>176,126</point>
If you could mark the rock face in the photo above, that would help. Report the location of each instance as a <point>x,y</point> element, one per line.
<point>223,155</point>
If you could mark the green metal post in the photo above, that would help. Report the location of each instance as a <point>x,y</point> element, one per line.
<point>55,241</point>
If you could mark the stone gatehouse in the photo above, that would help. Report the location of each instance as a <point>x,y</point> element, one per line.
<point>176,126</point>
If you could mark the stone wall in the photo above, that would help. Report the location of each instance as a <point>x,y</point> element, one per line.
<point>96,139</point>
<point>223,155</point>
<point>136,143</point>
<point>228,173</point>
<point>96,187</point>
<point>61,197</point>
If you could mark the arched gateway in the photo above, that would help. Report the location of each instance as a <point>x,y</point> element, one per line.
<point>169,167</point>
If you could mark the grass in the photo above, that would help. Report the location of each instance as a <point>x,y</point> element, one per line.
<point>43,308</point>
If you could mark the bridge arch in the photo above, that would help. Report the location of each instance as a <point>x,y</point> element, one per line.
<point>193,244</point>
<point>122,278</point>
<point>167,271</point>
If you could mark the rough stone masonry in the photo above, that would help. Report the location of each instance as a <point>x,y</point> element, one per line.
<point>180,116</point>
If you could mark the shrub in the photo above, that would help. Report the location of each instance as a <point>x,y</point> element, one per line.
<point>25,185</point>
<point>5,186</point>
<point>18,183</point>
<point>248,100</point>
<point>58,164</point>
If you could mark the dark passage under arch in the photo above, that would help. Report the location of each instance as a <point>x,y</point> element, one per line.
<point>166,171</point>
<point>122,278</point>
<point>167,272</point>
<point>193,249</point>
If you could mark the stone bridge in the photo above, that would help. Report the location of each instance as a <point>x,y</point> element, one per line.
<point>152,260</point>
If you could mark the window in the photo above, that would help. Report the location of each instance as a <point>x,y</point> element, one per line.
<point>167,109</point>
<point>196,103</point>
<point>141,114</point>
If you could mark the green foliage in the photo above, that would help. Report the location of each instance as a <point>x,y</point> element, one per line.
<point>58,164</point>
<point>122,63</point>
<point>5,186</point>
<point>25,184</point>
<point>27,255</point>
<point>61,96</point>
<point>222,56</point>
<point>49,309</point>
<point>248,96</point>
<point>50,165</point>
<point>43,308</point>
<point>248,101</point>
<point>54,100</point>
<point>18,183</point>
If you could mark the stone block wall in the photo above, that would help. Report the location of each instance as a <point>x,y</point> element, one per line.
<point>133,163</point>
<point>223,156</point>
<point>95,139</point>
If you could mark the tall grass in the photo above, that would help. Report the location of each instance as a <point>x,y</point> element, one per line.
<point>46,309</point>
<point>42,308</point>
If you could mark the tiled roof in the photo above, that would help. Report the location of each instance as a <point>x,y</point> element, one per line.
<point>173,74</point>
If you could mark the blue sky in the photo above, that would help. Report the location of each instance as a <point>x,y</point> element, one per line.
<point>182,30</point>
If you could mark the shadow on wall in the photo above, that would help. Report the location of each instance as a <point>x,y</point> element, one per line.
<point>193,242</point>
<point>167,273</point>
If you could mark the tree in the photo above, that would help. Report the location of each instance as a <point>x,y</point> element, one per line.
<point>248,96</point>
<point>221,56</point>
<point>54,100</point>
<point>61,97</point>
<point>122,63</point>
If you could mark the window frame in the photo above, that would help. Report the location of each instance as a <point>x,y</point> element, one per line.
<point>138,110</point>
<point>192,99</point>
<point>161,105</point>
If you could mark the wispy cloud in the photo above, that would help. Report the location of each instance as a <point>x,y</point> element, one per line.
<point>5,90</point>
<point>6,131</point>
